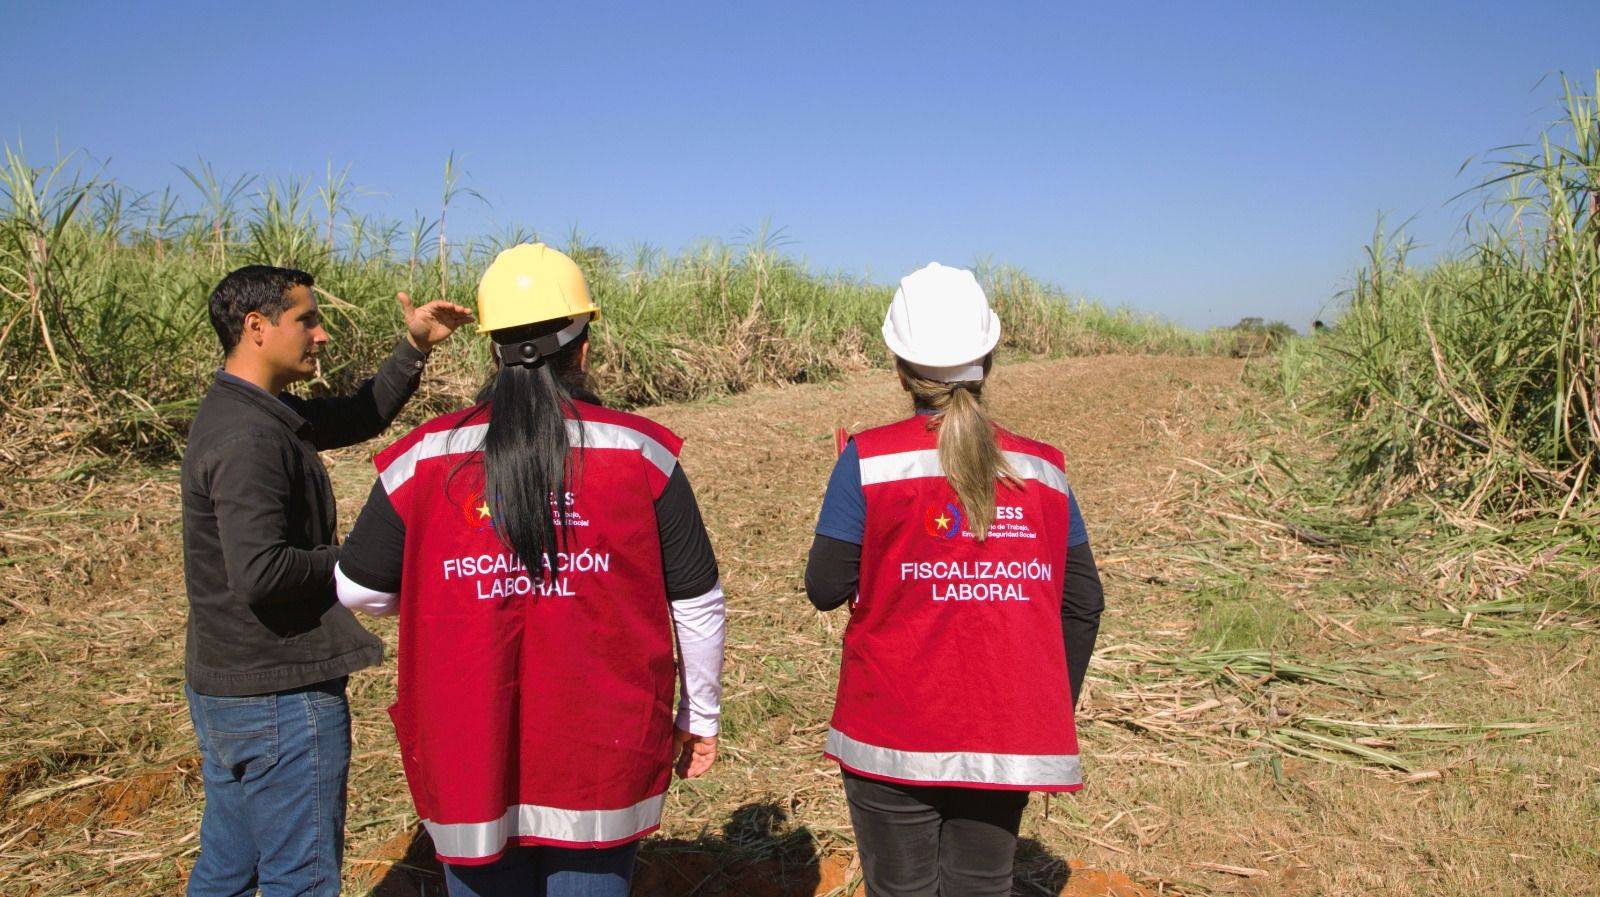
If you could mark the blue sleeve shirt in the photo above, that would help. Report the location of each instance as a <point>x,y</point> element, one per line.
<point>844,505</point>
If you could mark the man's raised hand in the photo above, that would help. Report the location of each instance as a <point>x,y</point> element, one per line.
<point>432,323</point>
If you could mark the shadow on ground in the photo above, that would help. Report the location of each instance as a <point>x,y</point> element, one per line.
<point>1040,872</point>
<point>755,854</point>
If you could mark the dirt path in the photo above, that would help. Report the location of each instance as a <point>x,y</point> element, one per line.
<point>99,794</point>
<point>97,771</point>
<point>758,463</point>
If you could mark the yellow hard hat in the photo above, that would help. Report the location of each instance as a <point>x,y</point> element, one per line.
<point>531,283</point>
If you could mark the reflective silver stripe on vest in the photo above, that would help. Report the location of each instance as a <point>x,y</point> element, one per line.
<point>470,439</point>
<point>443,442</point>
<point>1035,770</point>
<point>925,463</point>
<point>598,435</point>
<point>475,840</point>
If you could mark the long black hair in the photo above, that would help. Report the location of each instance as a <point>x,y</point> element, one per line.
<point>527,470</point>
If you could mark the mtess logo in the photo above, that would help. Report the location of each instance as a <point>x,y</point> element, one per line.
<point>943,521</point>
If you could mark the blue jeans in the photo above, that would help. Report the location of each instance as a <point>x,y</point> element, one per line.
<point>547,872</point>
<point>275,768</point>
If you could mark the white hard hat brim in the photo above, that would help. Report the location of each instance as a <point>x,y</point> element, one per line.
<point>961,373</point>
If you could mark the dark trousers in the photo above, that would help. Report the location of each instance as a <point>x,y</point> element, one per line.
<point>927,841</point>
<point>547,872</point>
<point>274,768</point>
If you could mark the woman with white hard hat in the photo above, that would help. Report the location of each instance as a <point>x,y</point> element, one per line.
<point>544,554</point>
<point>975,604</point>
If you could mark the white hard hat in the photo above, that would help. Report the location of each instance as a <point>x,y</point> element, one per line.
<point>940,323</point>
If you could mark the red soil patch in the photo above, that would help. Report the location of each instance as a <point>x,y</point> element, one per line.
<point>14,775</point>
<point>401,866</point>
<point>1086,882</point>
<point>110,803</point>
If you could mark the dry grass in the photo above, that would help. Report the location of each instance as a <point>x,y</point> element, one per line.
<point>1276,706</point>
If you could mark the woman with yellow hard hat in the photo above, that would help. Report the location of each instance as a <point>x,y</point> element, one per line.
<point>544,554</point>
<point>975,608</point>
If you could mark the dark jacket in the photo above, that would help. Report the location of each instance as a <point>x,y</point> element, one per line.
<point>259,541</point>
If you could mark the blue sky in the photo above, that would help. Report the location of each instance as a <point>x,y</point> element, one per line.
<point>1201,161</point>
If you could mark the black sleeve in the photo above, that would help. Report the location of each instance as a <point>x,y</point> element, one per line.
<point>250,482</point>
<point>687,560</point>
<point>376,548</point>
<point>338,421</point>
<point>1082,600</point>
<point>833,572</point>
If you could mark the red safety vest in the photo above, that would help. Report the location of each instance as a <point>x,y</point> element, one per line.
<point>534,711</point>
<point>954,671</point>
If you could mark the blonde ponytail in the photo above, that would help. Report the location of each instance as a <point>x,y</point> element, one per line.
<point>968,453</point>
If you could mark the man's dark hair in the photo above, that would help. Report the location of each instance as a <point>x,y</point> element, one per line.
<point>254,288</point>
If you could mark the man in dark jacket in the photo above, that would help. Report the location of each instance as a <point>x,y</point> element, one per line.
<point>269,646</point>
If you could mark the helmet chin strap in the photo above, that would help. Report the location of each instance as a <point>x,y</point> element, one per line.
<point>528,353</point>
<point>532,352</point>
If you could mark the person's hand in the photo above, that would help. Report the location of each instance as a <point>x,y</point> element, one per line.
<point>695,755</point>
<point>433,323</point>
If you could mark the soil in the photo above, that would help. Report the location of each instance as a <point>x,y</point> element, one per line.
<point>118,802</point>
<point>99,793</point>
<point>15,776</point>
<point>757,461</point>
<point>1087,882</point>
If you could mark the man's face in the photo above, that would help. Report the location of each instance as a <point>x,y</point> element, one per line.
<point>291,345</point>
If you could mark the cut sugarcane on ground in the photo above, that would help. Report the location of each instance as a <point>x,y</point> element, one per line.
<point>1289,697</point>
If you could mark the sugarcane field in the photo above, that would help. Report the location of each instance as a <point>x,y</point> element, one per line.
<point>1337,633</point>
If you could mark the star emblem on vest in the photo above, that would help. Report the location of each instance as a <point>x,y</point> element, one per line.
<point>943,521</point>
<point>477,512</point>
